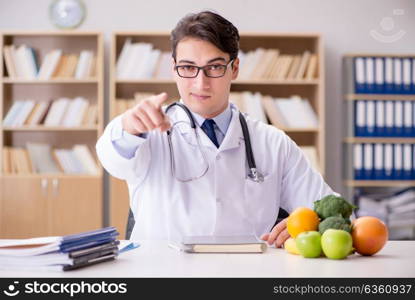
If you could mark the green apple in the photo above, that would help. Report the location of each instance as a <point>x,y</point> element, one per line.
<point>309,244</point>
<point>336,243</point>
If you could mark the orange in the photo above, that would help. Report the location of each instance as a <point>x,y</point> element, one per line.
<point>302,219</point>
<point>369,235</point>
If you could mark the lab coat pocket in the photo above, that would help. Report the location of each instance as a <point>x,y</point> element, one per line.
<point>262,200</point>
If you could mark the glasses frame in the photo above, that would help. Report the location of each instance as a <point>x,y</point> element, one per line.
<point>204,69</point>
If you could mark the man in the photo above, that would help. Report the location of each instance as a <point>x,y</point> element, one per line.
<point>198,184</point>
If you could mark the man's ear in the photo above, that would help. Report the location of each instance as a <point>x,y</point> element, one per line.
<point>235,68</point>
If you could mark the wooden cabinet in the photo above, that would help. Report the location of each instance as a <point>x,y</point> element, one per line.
<point>24,207</point>
<point>33,207</point>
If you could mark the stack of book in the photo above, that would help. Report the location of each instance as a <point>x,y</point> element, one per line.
<point>22,62</point>
<point>60,112</point>
<point>380,161</point>
<point>396,209</point>
<point>271,64</point>
<point>291,113</point>
<point>39,158</point>
<point>383,75</point>
<point>377,118</point>
<point>142,61</point>
<point>60,253</point>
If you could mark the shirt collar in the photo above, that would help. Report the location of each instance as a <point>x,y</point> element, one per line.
<point>222,120</point>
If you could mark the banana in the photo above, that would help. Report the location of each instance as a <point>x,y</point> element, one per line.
<point>290,246</point>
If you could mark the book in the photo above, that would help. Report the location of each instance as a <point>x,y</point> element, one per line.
<point>10,64</point>
<point>303,65</point>
<point>60,252</point>
<point>274,115</point>
<point>84,66</point>
<point>41,158</point>
<point>221,244</point>
<point>83,154</point>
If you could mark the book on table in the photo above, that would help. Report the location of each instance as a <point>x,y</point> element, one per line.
<point>221,244</point>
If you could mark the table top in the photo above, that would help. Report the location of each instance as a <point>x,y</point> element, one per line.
<point>157,259</point>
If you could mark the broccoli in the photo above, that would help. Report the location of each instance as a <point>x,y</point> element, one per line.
<point>335,222</point>
<point>333,205</point>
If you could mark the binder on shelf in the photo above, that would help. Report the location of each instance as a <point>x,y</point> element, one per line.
<point>379,75</point>
<point>397,75</point>
<point>388,75</point>
<point>359,73</point>
<point>360,118</point>
<point>368,162</point>
<point>408,129</point>
<point>408,163</point>
<point>413,76</point>
<point>406,75</point>
<point>379,170</point>
<point>389,119</point>
<point>398,119</point>
<point>370,75</point>
<point>380,118</point>
<point>398,164</point>
<point>358,161</point>
<point>388,152</point>
<point>370,118</point>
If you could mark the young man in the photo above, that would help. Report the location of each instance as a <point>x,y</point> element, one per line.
<point>197,184</point>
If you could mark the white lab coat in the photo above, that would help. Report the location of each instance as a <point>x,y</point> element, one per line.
<point>223,201</point>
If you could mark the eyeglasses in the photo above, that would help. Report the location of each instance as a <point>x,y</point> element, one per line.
<point>212,71</point>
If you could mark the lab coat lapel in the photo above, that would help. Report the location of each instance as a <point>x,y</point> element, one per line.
<point>234,135</point>
<point>180,118</point>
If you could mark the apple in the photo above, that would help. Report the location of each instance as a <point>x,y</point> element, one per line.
<point>336,243</point>
<point>309,244</point>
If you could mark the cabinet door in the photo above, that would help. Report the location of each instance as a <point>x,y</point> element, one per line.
<point>24,207</point>
<point>76,205</point>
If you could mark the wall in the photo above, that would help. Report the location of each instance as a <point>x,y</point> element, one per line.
<point>345,26</point>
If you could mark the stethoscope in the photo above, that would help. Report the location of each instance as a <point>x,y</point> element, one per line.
<point>253,173</point>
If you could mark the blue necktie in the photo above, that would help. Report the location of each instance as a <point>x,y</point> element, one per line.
<point>207,127</point>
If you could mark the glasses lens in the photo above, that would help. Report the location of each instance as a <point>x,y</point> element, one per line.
<point>187,71</point>
<point>215,70</point>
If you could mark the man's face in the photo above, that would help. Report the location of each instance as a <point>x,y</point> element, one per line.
<point>203,95</point>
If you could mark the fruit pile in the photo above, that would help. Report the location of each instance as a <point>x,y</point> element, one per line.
<point>327,230</point>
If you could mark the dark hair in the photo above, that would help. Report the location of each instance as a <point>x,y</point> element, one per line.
<point>210,27</point>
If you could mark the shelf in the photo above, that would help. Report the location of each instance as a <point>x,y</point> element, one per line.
<point>48,81</point>
<point>145,81</point>
<point>54,128</point>
<point>236,82</point>
<point>51,175</point>
<point>277,82</point>
<point>378,55</point>
<point>398,140</point>
<point>379,183</point>
<point>313,130</point>
<point>354,97</point>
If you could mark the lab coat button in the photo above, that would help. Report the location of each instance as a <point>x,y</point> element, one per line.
<point>218,200</point>
<point>218,157</point>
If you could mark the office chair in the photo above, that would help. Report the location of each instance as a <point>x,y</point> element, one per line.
<point>282,214</point>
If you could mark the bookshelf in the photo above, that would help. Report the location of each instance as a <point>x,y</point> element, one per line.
<point>288,43</point>
<point>377,183</point>
<point>58,203</point>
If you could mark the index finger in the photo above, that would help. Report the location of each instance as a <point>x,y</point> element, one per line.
<point>276,231</point>
<point>159,99</point>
